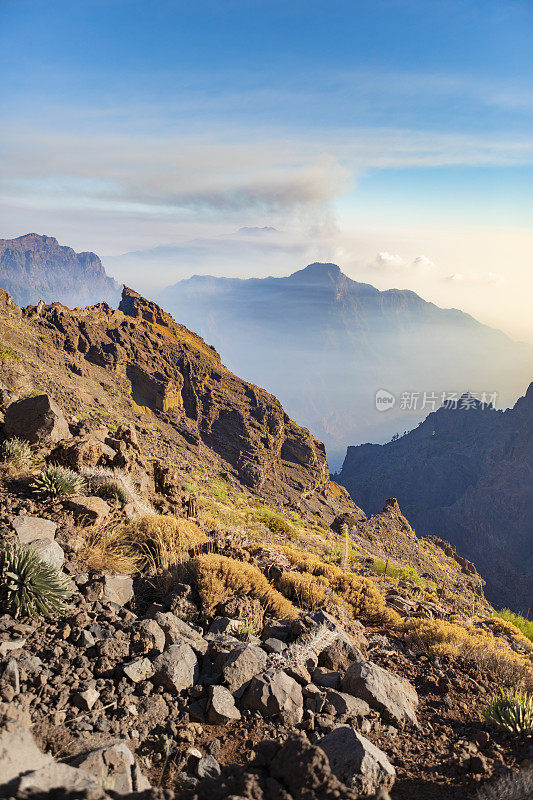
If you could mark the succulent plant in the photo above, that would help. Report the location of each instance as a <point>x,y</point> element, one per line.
<point>15,451</point>
<point>511,711</point>
<point>28,586</point>
<point>57,480</point>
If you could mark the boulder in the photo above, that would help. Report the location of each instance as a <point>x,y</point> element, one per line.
<point>345,705</point>
<point>222,706</point>
<point>18,752</point>
<point>87,509</point>
<point>58,777</point>
<point>177,668</point>
<point>139,670</point>
<point>357,762</point>
<point>117,589</point>
<point>242,663</point>
<point>39,420</point>
<point>382,690</point>
<point>49,551</point>
<point>148,636</point>
<point>274,693</point>
<point>78,453</point>
<point>30,528</point>
<point>115,768</point>
<point>177,631</point>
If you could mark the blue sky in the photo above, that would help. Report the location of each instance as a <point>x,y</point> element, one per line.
<point>355,128</point>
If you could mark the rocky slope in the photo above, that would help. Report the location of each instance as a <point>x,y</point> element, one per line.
<point>236,626</point>
<point>35,267</point>
<point>465,474</point>
<point>324,344</point>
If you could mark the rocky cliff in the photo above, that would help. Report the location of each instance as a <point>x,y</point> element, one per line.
<point>35,267</point>
<point>465,474</point>
<point>137,361</point>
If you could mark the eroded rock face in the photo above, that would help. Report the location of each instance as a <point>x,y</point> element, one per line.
<point>36,419</point>
<point>173,371</point>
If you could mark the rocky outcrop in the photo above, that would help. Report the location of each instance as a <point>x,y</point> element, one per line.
<point>464,475</point>
<point>172,372</point>
<point>34,268</point>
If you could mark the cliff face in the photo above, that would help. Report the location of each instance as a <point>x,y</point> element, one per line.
<point>35,267</point>
<point>465,475</point>
<point>160,371</point>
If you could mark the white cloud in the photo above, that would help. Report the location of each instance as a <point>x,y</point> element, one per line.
<point>389,262</point>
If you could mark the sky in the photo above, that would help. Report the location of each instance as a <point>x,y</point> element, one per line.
<point>393,137</point>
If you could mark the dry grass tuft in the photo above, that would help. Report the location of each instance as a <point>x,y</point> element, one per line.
<point>305,590</point>
<point>108,547</point>
<point>488,652</point>
<point>219,577</point>
<point>165,541</point>
<point>360,594</point>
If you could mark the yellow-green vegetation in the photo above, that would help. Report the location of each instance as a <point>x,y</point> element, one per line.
<point>154,541</point>
<point>15,452</point>
<point>307,591</point>
<point>8,354</point>
<point>441,637</point>
<point>398,571</point>
<point>164,541</point>
<point>219,578</point>
<point>511,711</point>
<point>525,626</point>
<point>360,594</point>
<point>275,522</point>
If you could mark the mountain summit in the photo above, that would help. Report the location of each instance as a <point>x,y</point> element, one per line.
<point>325,344</point>
<point>35,267</point>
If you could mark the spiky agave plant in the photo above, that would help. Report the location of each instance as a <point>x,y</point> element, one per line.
<point>511,710</point>
<point>28,586</point>
<point>57,480</point>
<point>15,451</point>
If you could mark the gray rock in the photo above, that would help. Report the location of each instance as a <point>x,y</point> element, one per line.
<point>274,693</point>
<point>87,509</point>
<point>177,668</point>
<point>178,632</point>
<point>49,551</point>
<point>357,762</point>
<point>30,528</point>
<point>274,645</point>
<point>148,636</point>
<point>345,705</point>
<point>36,419</point>
<point>86,699</point>
<point>115,768</point>
<point>18,752</point>
<point>117,589</point>
<point>242,663</point>
<point>11,674</point>
<point>56,777</point>
<point>327,677</point>
<point>139,670</point>
<point>222,706</point>
<point>208,767</point>
<point>382,690</point>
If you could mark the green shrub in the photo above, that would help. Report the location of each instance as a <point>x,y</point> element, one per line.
<point>28,586</point>
<point>8,354</point>
<point>57,480</point>
<point>275,522</point>
<point>511,711</point>
<point>15,451</point>
<point>523,624</point>
<point>397,571</point>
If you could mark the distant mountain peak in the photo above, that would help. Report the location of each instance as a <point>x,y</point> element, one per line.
<point>318,271</point>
